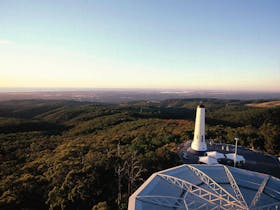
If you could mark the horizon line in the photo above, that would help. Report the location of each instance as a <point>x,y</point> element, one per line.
<point>56,89</point>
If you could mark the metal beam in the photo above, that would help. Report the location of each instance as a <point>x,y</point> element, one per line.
<point>215,207</point>
<point>203,205</point>
<point>260,190</point>
<point>222,202</point>
<point>184,200</point>
<point>185,204</point>
<point>167,201</point>
<point>212,184</point>
<point>189,204</point>
<point>235,187</point>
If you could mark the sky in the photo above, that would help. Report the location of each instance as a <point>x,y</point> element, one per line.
<point>184,44</point>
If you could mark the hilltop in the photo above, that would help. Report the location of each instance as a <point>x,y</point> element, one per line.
<point>268,104</point>
<point>58,154</point>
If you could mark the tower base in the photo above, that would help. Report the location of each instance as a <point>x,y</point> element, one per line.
<point>197,153</point>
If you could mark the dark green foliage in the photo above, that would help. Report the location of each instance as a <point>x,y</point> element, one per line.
<point>80,155</point>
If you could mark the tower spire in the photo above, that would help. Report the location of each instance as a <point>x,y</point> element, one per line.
<point>199,143</point>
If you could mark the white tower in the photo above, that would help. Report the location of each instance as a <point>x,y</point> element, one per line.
<point>198,143</point>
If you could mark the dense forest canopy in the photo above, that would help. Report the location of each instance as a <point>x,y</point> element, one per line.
<point>82,155</point>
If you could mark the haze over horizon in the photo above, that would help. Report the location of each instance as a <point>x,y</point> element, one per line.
<point>193,44</point>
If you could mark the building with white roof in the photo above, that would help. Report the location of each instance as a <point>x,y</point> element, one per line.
<point>232,156</point>
<point>215,154</point>
<point>207,160</point>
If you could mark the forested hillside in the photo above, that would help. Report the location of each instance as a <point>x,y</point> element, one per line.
<point>82,155</point>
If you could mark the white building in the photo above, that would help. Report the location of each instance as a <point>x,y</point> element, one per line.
<point>232,156</point>
<point>207,160</point>
<point>215,154</point>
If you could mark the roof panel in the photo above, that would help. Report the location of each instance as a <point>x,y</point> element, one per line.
<point>184,173</point>
<point>273,187</point>
<point>159,186</point>
<point>247,178</point>
<point>217,173</point>
<point>265,200</point>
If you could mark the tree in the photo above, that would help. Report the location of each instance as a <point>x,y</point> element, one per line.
<point>133,171</point>
<point>271,135</point>
<point>100,206</point>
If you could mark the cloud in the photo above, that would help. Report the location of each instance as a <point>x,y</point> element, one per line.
<point>6,42</point>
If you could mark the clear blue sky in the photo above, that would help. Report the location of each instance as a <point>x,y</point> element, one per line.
<point>190,44</point>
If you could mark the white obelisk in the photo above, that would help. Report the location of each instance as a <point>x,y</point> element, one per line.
<point>198,143</point>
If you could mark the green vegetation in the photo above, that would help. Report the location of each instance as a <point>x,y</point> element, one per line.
<point>79,155</point>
